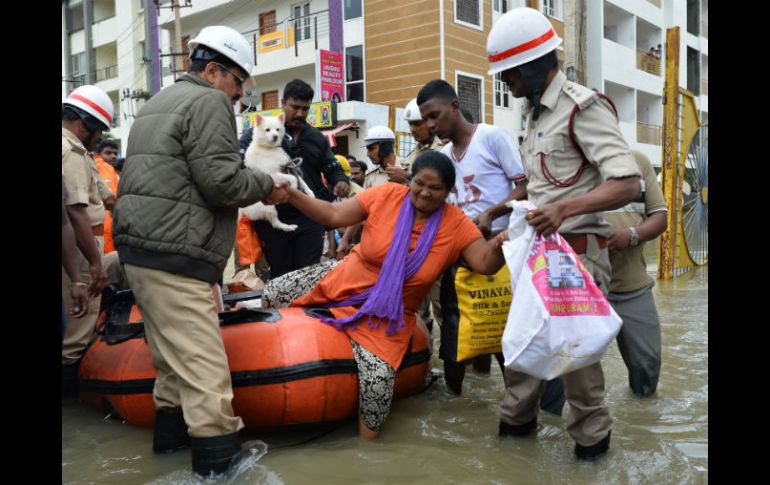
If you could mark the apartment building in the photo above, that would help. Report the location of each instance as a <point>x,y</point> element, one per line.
<point>626,60</point>
<point>390,49</point>
<point>103,44</point>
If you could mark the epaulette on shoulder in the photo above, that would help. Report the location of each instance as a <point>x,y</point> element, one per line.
<point>581,95</point>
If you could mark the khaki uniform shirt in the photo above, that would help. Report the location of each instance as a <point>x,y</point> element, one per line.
<point>629,269</point>
<point>378,175</point>
<point>81,178</point>
<point>436,145</point>
<point>598,134</point>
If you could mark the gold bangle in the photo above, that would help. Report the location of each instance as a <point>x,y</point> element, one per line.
<point>79,283</point>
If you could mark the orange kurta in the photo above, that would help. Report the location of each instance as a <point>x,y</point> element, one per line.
<point>110,177</point>
<point>361,267</point>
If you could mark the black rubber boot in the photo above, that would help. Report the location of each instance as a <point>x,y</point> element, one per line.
<point>454,374</point>
<point>69,380</point>
<point>517,429</point>
<point>591,453</point>
<point>482,363</point>
<point>216,454</point>
<point>170,431</point>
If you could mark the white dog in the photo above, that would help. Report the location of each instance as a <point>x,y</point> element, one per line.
<point>265,154</point>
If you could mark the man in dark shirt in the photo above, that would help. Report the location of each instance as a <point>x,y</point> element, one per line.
<point>288,251</point>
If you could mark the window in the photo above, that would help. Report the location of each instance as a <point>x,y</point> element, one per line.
<point>75,18</point>
<point>79,64</point>
<point>354,73</point>
<point>500,6</point>
<point>553,8</point>
<point>301,21</point>
<point>469,13</point>
<point>502,93</point>
<point>406,144</point>
<point>270,100</point>
<point>353,9</point>
<point>470,91</point>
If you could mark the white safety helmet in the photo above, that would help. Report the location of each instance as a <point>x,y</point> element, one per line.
<point>228,42</point>
<point>520,36</point>
<point>377,134</point>
<point>412,111</point>
<point>94,101</point>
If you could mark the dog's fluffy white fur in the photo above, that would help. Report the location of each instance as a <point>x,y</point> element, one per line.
<point>265,154</point>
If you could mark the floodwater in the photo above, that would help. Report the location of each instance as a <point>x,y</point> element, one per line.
<point>438,438</point>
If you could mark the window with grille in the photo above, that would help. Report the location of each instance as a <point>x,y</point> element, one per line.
<point>469,92</point>
<point>500,5</point>
<point>468,12</point>
<point>502,93</point>
<point>301,21</point>
<point>406,144</point>
<point>354,73</point>
<point>553,8</point>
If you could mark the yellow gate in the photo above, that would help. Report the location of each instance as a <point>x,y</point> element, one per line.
<point>684,245</point>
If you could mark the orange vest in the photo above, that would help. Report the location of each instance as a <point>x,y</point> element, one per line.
<point>110,177</point>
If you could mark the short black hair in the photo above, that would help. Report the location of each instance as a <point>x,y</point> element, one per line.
<point>202,55</point>
<point>104,144</point>
<point>359,164</point>
<point>440,163</point>
<point>350,156</point>
<point>298,89</point>
<point>438,88</point>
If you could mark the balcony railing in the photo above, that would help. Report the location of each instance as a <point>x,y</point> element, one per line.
<point>647,133</point>
<point>290,31</point>
<point>704,87</point>
<point>655,2</point>
<point>647,62</point>
<point>704,29</point>
<point>108,72</point>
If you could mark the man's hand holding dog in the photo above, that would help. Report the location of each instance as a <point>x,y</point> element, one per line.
<point>280,194</point>
<point>342,189</point>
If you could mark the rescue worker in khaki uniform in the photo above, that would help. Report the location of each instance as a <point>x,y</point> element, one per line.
<point>174,228</point>
<point>570,189</point>
<point>631,287</point>
<point>86,113</point>
<point>379,144</point>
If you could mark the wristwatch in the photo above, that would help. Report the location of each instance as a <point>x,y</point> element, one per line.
<point>634,237</point>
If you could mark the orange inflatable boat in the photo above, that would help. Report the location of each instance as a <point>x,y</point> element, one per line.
<point>287,367</point>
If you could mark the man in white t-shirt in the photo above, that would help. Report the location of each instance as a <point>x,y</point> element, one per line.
<point>486,158</point>
<point>489,174</point>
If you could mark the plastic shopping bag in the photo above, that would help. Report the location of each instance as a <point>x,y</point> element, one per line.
<point>559,319</point>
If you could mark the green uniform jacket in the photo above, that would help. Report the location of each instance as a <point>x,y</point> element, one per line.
<point>182,183</point>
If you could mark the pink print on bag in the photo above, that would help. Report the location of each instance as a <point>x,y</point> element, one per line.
<point>564,284</point>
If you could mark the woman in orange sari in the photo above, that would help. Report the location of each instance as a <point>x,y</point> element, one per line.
<point>410,237</point>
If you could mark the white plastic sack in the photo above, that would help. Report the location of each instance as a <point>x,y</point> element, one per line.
<point>559,319</point>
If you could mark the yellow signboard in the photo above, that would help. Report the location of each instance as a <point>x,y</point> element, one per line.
<point>275,40</point>
<point>321,115</point>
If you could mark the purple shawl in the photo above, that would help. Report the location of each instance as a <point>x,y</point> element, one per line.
<point>385,298</point>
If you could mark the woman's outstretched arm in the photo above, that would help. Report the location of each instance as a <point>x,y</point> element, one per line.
<point>339,214</point>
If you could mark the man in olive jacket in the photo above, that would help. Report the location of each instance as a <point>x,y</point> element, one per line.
<point>174,228</point>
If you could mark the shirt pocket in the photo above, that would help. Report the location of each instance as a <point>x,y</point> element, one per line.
<point>556,159</point>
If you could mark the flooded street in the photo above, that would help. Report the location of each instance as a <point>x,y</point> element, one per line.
<point>437,438</point>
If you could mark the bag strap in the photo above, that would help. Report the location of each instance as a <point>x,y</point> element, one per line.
<point>571,130</point>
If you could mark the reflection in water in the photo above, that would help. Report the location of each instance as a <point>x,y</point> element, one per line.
<point>438,438</point>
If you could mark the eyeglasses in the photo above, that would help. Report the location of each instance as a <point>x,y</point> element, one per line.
<point>238,79</point>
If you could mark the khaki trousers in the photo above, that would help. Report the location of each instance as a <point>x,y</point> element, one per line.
<point>182,329</point>
<point>588,421</point>
<point>79,330</point>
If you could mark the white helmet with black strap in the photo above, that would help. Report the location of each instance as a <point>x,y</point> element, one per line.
<point>227,42</point>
